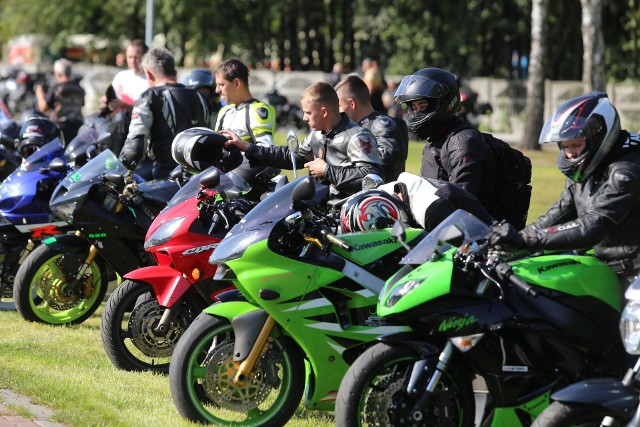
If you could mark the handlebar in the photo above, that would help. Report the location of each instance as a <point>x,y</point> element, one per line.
<point>504,271</point>
<point>327,234</point>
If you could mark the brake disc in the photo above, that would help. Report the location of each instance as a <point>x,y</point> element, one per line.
<point>380,399</point>
<point>144,320</point>
<point>219,385</point>
<point>55,291</point>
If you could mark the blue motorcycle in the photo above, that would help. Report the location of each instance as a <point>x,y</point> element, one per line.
<point>25,217</point>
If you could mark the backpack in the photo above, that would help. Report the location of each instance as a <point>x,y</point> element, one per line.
<point>514,175</point>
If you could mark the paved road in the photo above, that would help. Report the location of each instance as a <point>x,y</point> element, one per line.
<point>8,418</point>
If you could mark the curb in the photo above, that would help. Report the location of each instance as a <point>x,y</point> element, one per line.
<point>41,414</point>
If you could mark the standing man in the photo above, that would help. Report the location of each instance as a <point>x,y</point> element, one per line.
<point>252,120</point>
<point>162,111</point>
<point>129,84</point>
<point>391,135</point>
<point>63,101</point>
<point>338,151</point>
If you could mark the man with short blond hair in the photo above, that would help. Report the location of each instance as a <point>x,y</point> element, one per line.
<point>337,150</point>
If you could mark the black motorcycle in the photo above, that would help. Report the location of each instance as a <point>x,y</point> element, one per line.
<point>287,115</point>
<point>604,401</point>
<point>64,280</point>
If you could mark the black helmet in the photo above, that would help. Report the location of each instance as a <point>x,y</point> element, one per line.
<point>200,77</point>
<point>371,210</point>
<point>198,148</point>
<point>35,132</point>
<point>589,116</point>
<point>440,88</point>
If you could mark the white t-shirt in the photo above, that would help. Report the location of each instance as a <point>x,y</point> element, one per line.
<point>129,86</point>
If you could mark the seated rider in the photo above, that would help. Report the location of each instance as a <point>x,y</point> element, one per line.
<point>600,205</point>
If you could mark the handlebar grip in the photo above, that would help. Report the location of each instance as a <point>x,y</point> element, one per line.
<point>327,234</point>
<point>504,270</point>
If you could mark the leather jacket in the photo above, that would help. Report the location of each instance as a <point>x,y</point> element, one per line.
<point>393,142</point>
<point>459,154</point>
<point>158,116</point>
<point>350,151</point>
<point>603,212</point>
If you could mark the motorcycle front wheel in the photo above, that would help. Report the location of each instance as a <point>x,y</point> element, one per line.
<point>560,414</point>
<point>373,393</point>
<point>129,323</point>
<point>201,378</point>
<point>42,290</point>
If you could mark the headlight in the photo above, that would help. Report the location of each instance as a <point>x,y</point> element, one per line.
<point>630,327</point>
<point>233,246</point>
<point>164,233</point>
<point>401,290</point>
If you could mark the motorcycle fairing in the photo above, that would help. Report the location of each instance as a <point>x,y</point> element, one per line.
<point>607,393</point>
<point>168,284</point>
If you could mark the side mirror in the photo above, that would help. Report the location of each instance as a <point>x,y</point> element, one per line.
<point>294,145</point>
<point>58,165</point>
<point>104,140</point>
<point>305,190</point>
<point>115,178</point>
<point>372,181</point>
<point>210,179</point>
<point>398,231</point>
<point>176,173</point>
<point>91,151</point>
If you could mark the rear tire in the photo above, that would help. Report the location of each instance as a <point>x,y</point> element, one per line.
<point>41,290</point>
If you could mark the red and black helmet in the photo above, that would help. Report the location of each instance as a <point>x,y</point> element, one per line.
<point>371,210</point>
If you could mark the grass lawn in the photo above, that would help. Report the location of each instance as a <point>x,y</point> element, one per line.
<point>65,368</point>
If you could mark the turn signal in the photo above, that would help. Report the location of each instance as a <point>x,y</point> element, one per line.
<point>195,274</point>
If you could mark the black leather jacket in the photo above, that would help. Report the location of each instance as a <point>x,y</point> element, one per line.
<point>460,155</point>
<point>350,151</point>
<point>603,212</point>
<point>392,136</point>
<point>158,116</point>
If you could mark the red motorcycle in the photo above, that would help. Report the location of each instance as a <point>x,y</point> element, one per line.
<point>147,314</point>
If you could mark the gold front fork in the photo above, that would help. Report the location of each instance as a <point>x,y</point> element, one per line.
<point>93,251</point>
<point>258,348</point>
<point>27,250</point>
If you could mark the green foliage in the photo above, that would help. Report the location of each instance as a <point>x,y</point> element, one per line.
<point>472,38</point>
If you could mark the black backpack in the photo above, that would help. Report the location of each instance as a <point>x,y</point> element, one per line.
<point>514,175</point>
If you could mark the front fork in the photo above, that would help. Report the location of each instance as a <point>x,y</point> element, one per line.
<point>417,379</point>
<point>258,349</point>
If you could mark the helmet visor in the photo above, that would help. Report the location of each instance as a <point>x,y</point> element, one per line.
<point>560,128</point>
<point>417,87</point>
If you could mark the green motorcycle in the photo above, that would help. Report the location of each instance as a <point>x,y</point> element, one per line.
<point>305,298</point>
<point>526,327</point>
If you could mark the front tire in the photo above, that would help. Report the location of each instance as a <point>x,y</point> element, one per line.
<point>129,320</point>
<point>201,378</point>
<point>41,290</point>
<point>372,392</point>
<point>560,414</point>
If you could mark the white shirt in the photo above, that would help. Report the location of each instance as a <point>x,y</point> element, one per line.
<point>129,86</point>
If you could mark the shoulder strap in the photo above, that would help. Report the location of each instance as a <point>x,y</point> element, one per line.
<point>249,128</point>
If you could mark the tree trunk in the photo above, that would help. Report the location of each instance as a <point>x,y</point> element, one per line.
<point>534,109</point>
<point>593,73</point>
